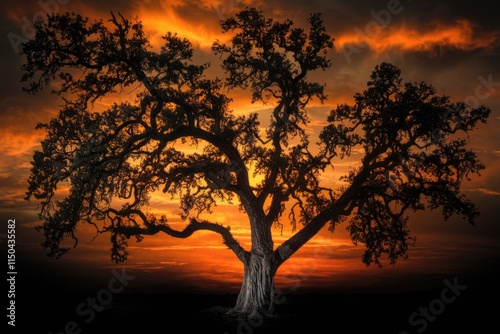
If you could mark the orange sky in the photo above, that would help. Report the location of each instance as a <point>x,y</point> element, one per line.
<point>448,45</point>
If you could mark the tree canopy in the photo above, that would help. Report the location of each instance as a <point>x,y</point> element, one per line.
<point>113,160</point>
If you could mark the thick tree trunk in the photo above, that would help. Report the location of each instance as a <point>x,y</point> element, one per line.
<point>257,291</point>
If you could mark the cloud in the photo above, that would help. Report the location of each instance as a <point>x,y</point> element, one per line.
<point>20,144</point>
<point>194,22</point>
<point>460,35</point>
<point>179,247</point>
<point>450,42</point>
<point>486,191</point>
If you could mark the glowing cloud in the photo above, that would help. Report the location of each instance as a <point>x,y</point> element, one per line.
<point>488,191</point>
<point>196,26</point>
<point>460,35</point>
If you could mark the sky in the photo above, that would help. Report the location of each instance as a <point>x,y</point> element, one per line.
<point>453,45</point>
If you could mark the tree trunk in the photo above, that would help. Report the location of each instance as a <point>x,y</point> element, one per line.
<point>256,296</point>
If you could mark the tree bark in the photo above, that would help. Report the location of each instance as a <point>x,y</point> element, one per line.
<point>256,296</point>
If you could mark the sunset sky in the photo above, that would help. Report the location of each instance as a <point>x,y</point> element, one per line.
<point>453,45</point>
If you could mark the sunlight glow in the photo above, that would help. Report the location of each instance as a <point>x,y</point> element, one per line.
<point>203,259</point>
<point>201,33</point>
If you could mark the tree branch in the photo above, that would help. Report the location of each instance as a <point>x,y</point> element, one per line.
<point>153,227</point>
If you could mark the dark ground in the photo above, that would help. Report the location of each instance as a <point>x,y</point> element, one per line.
<point>475,310</point>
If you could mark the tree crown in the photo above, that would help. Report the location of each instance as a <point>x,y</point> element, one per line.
<point>115,159</point>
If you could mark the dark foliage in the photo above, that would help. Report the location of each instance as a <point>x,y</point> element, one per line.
<point>114,160</point>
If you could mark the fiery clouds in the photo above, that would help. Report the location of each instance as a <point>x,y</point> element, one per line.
<point>449,44</point>
<point>460,35</point>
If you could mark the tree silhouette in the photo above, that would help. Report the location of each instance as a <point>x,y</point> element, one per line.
<point>114,160</point>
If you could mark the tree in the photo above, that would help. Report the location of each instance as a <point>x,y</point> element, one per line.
<point>114,160</point>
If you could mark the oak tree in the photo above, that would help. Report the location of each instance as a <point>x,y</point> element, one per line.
<point>114,160</point>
